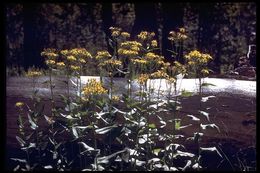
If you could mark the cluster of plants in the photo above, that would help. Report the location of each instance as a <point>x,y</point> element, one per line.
<point>99,129</point>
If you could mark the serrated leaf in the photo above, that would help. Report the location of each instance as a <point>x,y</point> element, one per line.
<point>88,148</point>
<point>209,125</point>
<point>32,123</point>
<point>182,127</point>
<point>205,114</point>
<point>68,116</point>
<point>212,149</point>
<point>21,141</point>
<point>193,118</point>
<point>105,159</point>
<point>188,165</point>
<point>74,132</point>
<point>19,160</point>
<point>104,130</point>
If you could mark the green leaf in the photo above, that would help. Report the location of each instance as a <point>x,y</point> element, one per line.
<point>177,124</point>
<point>152,126</point>
<point>156,151</point>
<point>207,84</point>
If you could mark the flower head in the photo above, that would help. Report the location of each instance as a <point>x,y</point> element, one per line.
<point>60,65</point>
<point>103,55</point>
<point>71,58</point>
<point>19,104</point>
<point>93,87</point>
<point>33,73</point>
<point>154,43</point>
<point>142,79</point>
<point>125,34</point>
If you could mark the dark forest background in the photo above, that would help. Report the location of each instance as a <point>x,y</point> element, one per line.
<point>224,30</point>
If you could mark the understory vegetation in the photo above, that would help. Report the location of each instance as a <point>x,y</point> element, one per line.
<point>99,129</point>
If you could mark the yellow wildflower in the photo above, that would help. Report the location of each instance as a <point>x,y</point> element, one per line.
<point>93,88</point>
<point>33,73</point>
<point>81,60</point>
<point>154,43</point>
<point>127,52</point>
<point>71,58</point>
<point>80,52</point>
<point>182,30</point>
<point>130,44</point>
<point>139,61</point>
<point>60,64</point>
<point>142,79</point>
<point>111,63</point>
<point>50,62</point>
<point>103,54</point>
<point>159,74</point>
<point>19,104</point>
<point>143,35</point>
<point>64,52</point>
<point>75,68</point>
<point>115,98</point>
<point>115,31</point>
<point>125,34</point>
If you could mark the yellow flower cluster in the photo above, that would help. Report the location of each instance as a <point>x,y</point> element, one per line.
<point>195,57</point>
<point>154,43</point>
<point>151,56</point>
<point>75,67</point>
<point>81,60</point>
<point>125,34</point>
<point>179,67</point>
<point>93,88</point>
<point>175,36</point>
<point>64,52</point>
<point>130,44</point>
<point>103,55</point>
<point>159,74</point>
<point>71,58</point>
<point>60,64</point>
<point>139,61</point>
<point>80,52</point>
<point>49,53</point>
<point>33,73</point>
<point>115,32</point>
<point>111,62</point>
<point>115,98</point>
<point>142,79</point>
<point>19,104</point>
<point>127,52</point>
<point>144,35</point>
<point>50,62</point>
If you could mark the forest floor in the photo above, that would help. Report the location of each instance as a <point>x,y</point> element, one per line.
<point>234,114</point>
